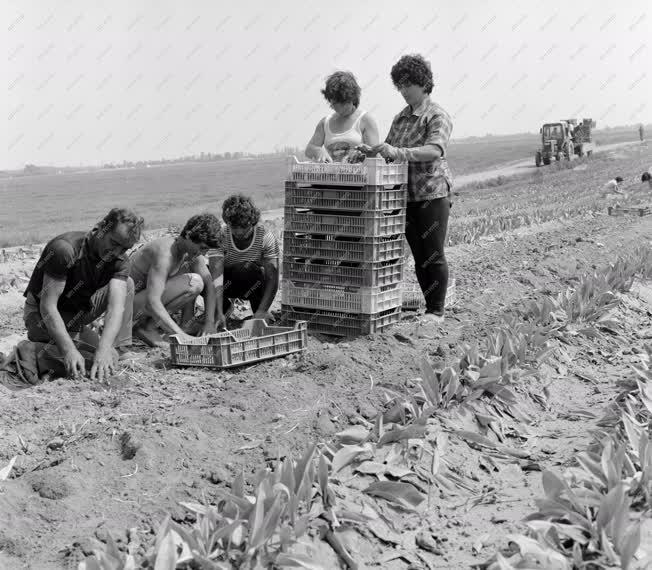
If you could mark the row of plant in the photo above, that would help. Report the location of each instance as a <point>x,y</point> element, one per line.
<point>403,460</point>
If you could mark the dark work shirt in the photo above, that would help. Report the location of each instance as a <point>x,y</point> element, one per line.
<point>70,257</point>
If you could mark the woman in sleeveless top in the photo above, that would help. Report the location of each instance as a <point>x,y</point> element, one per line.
<point>336,136</point>
<point>246,265</point>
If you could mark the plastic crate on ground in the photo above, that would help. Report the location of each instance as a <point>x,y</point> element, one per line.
<point>254,342</point>
<point>371,172</point>
<point>341,324</point>
<point>413,297</point>
<point>636,211</point>
<point>351,274</point>
<point>364,224</point>
<point>354,199</point>
<point>365,300</point>
<point>321,246</point>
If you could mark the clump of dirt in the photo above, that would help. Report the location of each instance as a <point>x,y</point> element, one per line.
<point>50,487</point>
<point>129,446</point>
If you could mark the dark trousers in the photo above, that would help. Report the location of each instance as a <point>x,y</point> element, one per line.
<point>244,281</point>
<point>425,230</point>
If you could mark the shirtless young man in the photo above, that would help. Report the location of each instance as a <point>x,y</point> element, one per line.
<point>169,273</point>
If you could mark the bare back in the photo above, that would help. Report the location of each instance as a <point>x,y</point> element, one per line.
<point>157,253</point>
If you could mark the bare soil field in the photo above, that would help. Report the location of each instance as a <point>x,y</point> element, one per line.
<point>412,468</point>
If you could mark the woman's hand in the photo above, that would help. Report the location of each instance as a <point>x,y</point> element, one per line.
<point>324,156</point>
<point>386,151</point>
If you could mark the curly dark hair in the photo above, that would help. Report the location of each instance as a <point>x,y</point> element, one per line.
<point>413,70</point>
<point>204,228</point>
<point>239,211</point>
<point>125,216</point>
<point>341,87</point>
<point>646,177</point>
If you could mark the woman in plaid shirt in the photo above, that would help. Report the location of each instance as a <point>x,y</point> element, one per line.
<point>419,135</point>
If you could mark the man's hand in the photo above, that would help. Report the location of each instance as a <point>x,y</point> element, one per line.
<point>74,363</point>
<point>104,364</point>
<point>208,328</point>
<point>386,151</point>
<point>263,315</point>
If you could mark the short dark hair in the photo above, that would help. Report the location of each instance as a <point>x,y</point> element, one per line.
<point>619,179</point>
<point>413,70</point>
<point>342,87</point>
<point>646,177</point>
<point>239,211</point>
<point>125,216</point>
<point>204,228</point>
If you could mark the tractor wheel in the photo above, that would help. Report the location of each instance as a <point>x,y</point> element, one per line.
<point>580,151</point>
<point>537,159</point>
<point>546,160</point>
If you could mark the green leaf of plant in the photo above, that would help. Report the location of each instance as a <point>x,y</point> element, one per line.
<point>400,434</point>
<point>610,504</point>
<point>402,494</point>
<point>631,542</point>
<point>346,455</point>
<point>552,484</point>
<point>166,557</point>
<point>354,434</point>
<point>256,518</point>
<point>284,560</point>
<point>370,467</point>
<point>303,465</point>
<point>430,383</point>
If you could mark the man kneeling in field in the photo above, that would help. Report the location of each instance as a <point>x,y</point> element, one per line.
<point>79,277</point>
<point>245,266</point>
<point>169,273</point>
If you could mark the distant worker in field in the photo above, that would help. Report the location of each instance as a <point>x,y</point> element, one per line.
<point>169,273</point>
<point>419,135</point>
<point>614,185</point>
<point>647,177</point>
<point>246,265</point>
<point>338,134</point>
<point>641,132</point>
<point>79,277</point>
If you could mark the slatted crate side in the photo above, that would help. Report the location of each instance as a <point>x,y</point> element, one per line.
<point>371,172</point>
<point>365,224</point>
<point>365,300</point>
<point>254,342</point>
<point>341,324</point>
<point>343,248</point>
<point>361,199</point>
<point>334,272</point>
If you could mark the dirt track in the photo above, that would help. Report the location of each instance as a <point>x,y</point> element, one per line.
<point>196,429</point>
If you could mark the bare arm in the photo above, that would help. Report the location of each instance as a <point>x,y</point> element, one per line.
<point>216,268</point>
<point>114,312</point>
<point>271,284</point>
<point>50,293</point>
<point>315,149</point>
<point>200,267</point>
<point>156,279</point>
<point>370,134</point>
<point>104,363</point>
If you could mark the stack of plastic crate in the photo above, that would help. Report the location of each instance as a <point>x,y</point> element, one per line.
<point>343,245</point>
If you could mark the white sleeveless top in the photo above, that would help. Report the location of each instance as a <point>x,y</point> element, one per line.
<point>338,144</point>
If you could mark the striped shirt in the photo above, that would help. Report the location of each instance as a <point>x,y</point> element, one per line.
<point>263,246</point>
<point>428,124</point>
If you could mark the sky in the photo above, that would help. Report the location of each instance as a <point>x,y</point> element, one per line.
<point>91,82</point>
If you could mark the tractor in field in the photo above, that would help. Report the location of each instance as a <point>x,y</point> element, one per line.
<point>564,139</point>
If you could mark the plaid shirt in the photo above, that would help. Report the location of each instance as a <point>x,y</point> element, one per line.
<point>428,124</point>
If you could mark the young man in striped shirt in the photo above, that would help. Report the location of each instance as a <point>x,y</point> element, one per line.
<point>246,266</point>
